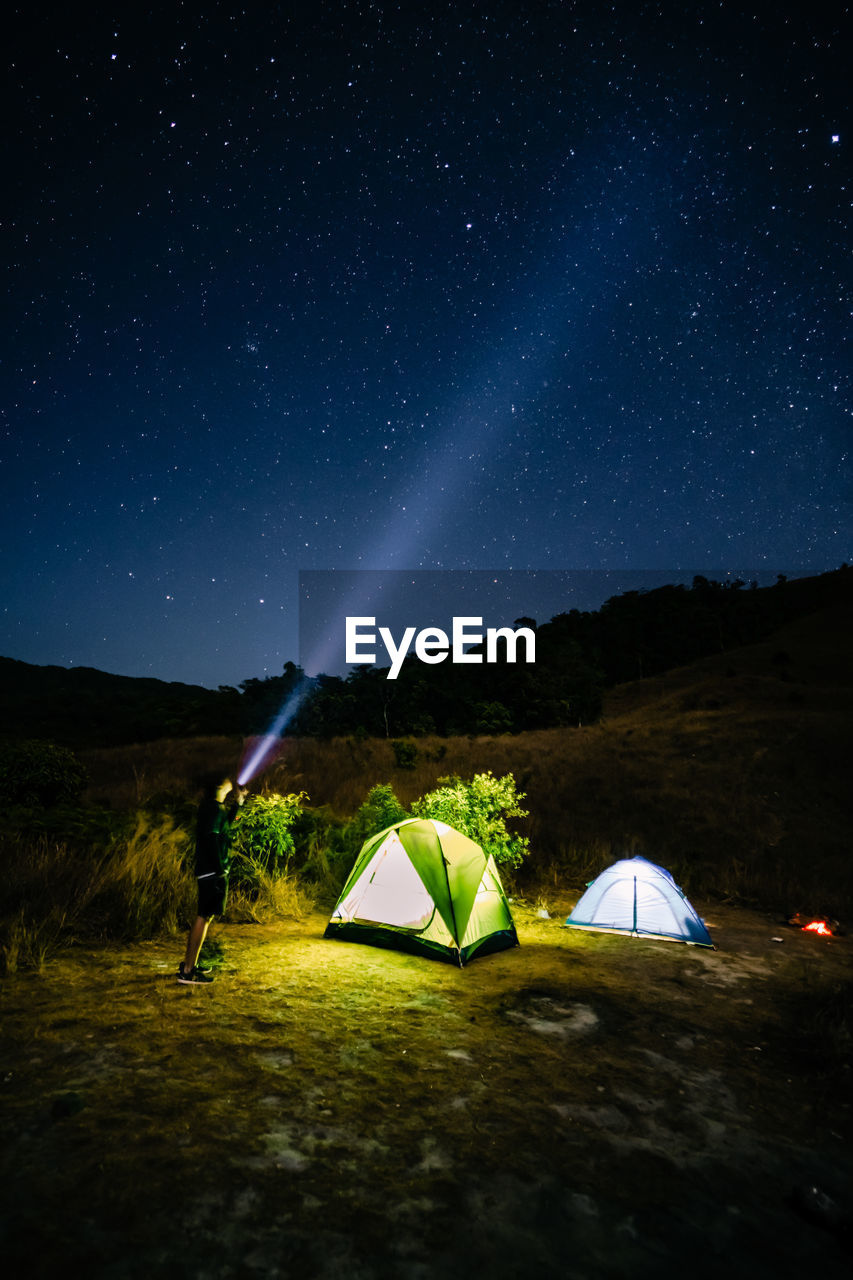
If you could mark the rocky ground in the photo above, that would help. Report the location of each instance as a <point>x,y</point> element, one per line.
<point>580,1106</point>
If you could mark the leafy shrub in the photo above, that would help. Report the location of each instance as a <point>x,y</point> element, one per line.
<point>39,773</point>
<point>263,840</point>
<point>329,845</point>
<point>323,857</point>
<point>479,809</point>
<point>380,810</point>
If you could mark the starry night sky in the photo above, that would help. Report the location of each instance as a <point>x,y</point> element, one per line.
<point>441,285</point>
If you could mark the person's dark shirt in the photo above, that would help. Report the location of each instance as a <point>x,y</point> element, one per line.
<point>214,827</point>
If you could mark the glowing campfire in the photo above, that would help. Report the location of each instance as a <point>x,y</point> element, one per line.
<point>818,926</point>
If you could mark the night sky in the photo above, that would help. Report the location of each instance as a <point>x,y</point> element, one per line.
<point>443,285</point>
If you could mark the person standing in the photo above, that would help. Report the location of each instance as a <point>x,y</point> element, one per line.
<point>217,816</point>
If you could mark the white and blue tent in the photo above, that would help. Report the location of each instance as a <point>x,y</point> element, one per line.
<point>636,897</point>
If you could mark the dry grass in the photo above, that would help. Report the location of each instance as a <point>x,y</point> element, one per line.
<point>45,888</point>
<point>142,774</point>
<point>28,940</point>
<point>132,886</point>
<point>270,898</point>
<point>145,889</point>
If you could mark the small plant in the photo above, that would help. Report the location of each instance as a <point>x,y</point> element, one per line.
<point>263,845</point>
<point>213,954</point>
<point>479,809</point>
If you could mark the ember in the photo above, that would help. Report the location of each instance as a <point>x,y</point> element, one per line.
<point>818,926</point>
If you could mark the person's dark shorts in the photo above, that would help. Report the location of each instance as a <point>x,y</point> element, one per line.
<point>212,896</point>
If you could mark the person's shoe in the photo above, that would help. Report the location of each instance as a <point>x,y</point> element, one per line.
<point>200,968</point>
<point>194,978</point>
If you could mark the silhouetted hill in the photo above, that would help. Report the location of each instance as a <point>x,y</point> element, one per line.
<point>81,706</point>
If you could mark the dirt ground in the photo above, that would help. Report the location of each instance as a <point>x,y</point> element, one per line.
<point>579,1106</point>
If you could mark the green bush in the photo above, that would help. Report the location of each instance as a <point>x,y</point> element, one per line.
<point>263,839</point>
<point>328,846</point>
<point>323,856</point>
<point>380,810</point>
<point>479,809</point>
<point>39,773</point>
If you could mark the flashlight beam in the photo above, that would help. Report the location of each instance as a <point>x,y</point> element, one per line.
<point>267,743</point>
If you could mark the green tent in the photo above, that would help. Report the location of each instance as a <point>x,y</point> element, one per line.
<point>421,886</point>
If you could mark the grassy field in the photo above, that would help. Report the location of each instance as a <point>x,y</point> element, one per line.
<point>581,1106</point>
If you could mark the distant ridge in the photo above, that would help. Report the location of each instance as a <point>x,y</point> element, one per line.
<point>82,706</point>
<point>637,634</point>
